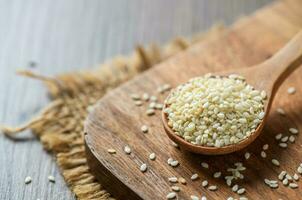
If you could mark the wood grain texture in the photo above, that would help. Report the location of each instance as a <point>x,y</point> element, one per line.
<point>115,122</point>
<point>72,34</point>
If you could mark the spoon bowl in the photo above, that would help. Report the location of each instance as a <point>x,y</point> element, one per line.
<point>267,76</point>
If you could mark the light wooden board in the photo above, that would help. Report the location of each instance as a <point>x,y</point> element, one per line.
<point>67,35</point>
<point>116,121</point>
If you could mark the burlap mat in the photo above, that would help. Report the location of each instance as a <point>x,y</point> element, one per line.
<point>60,125</point>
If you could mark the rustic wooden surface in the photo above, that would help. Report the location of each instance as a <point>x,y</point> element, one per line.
<point>116,121</point>
<point>72,34</point>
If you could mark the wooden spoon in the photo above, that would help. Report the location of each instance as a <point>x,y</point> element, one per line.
<point>267,76</point>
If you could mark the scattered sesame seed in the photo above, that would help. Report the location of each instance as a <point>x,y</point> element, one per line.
<point>285,182</point>
<point>138,103</point>
<point>263,154</point>
<point>282,175</point>
<point>173,179</point>
<point>293,185</point>
<point>169,161</point>
<point>193,197</point>
<point>203,198</point>
<point>146,97</point>
<point>144,129</point>
<point>213,188</point>
<point>284,139</point>
<point>174,163</point>
<point>205,165</point>
<point>265,147</point>
<point>135,96</point>
<point>153,98</point>
<point>289,177</point>
<point>143,167</point>
<point>299,170</point>
<point>194,177</point>
<point>28,180</point>
<point>278,136</point>
<point>217,174</point>
<point>175,145</point>
<point>293,131</point>
<point>296,177</point>
<point>182,180</point>
<point>204,183</point>
<point>111,151</point>
<point>243,198</point>
<point>159,106</point>
<point>247,155</point>
<point>291,90</point>
<point>152,156</point>
<point>175,188</point>
<point>292,139</point>
<point>282,145</point>
<point>235,188</point>
<point>280,111</point>
<point>275,162</point>
<point>230,198</point>
<point>150,111</point>
<point>127,150</point>
<point>229,182</point>
<point>241,191</point>
<point>51,179</point>
<point>152,105</point>
<point>171,195</point>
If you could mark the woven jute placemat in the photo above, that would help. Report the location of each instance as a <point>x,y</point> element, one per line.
<point>59,126</point>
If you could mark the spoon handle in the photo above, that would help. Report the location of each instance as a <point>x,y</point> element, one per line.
<point>286,60</point>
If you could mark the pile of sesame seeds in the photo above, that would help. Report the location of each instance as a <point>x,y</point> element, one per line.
<point>215,111</point>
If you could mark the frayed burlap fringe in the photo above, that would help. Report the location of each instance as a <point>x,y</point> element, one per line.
<point>59,126</point>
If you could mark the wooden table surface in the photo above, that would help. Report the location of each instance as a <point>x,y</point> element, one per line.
<point>65,35</point>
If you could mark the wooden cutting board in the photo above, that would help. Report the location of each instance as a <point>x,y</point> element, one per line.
<point>116,121</point>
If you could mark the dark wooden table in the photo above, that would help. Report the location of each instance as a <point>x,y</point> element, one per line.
<point>65,35</point>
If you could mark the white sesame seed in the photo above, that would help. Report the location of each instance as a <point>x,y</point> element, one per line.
<point>138,103</point>
<point>152,105</point>
<point>280,111</point>
<point>194,177</point>
<point>159,106</point>
<point>111,151</point>
<point>235,188</point>
<point>175,188</point>
<point>299,170</point>
<point>153,98</point>
<point>274,185</point>
<point>150,111</point>
<point>241,191</point>
<point>243,198</point>
<point>166,87</point>
<point>291,90</point>
<point>281,175</point>
<point>217,174</point>
<point>267,182</point>
<point>282,145</point>
<point>293,131</point>
<point>28,180</point>
<point>275,162</point>
<point>289,177</point>
<point>173,179</point>
<point>247,155</point>
<point>278,136</point>
<point>292,139</point>
<point>204,183</point>
<point>169,161</point>
<point>193,197</point>
<point>263,154</point>
<point>203,198</point>
<point>51,179</point>
<point>296,177</point>
<point>293,185</point>
<point>144,129</point>
<point>230,198</point>
<point>205,165</point>
<point>135,96</point>
<point>285,181</point>
<point>171,195</point>
<point>229,182</point>
<point>213,187</point>
<point>143,167</point>
<point>175,145</point>
<point>284,139</point>
<point>127,149</point>
<point>182,180</point>
<point>146,97</point>
<point>152,156</point>
<point>174,163</point>
<point>265,147</point>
